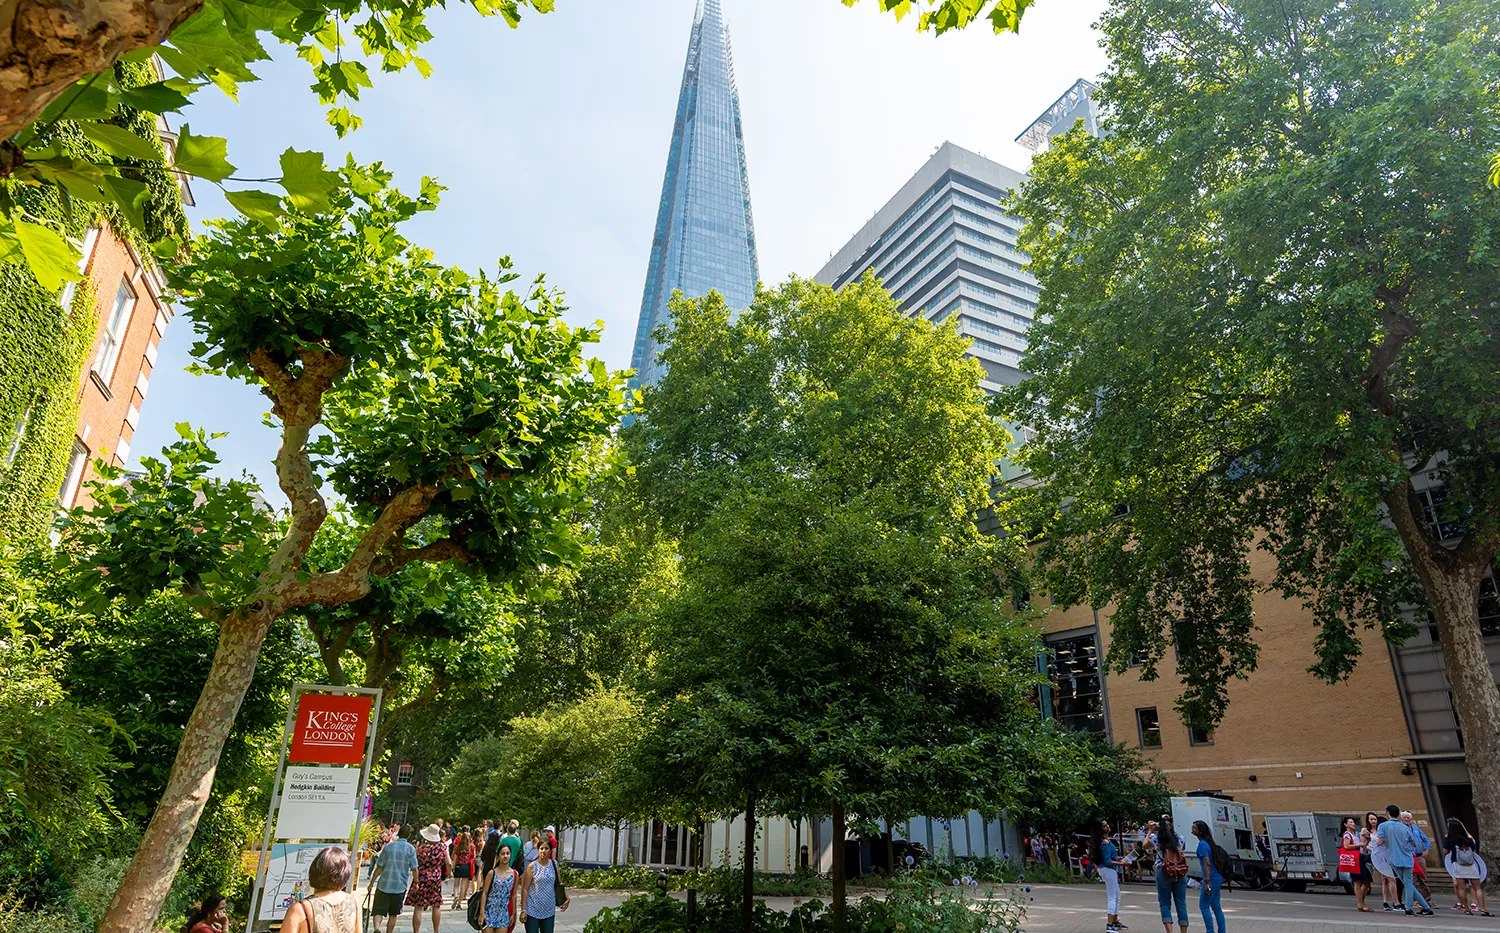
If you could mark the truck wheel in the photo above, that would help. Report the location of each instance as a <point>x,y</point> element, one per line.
<point>1348,887</point>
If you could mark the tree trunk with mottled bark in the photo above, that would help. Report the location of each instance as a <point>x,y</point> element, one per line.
<point>840,896</point>
<point>149,878</point>
<point>46,45</point>
<point>747,904</point>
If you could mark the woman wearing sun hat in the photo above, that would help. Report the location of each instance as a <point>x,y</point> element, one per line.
<point>427,891</point>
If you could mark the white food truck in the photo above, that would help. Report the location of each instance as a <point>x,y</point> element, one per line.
<point>1230,824</point>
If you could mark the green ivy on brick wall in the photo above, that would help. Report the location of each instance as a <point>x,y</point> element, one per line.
<point>43,346</point>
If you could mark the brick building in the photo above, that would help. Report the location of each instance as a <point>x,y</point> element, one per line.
<point>1288,741</point>
<point>132,313</point>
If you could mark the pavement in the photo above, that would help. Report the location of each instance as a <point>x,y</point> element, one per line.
<point>1079,908</point>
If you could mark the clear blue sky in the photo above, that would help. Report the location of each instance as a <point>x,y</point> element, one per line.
<point>552,140</point>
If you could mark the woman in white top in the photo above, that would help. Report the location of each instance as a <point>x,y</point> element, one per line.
<point>331,909</point>
<point>1360,878</point>
<point>1380,860</point>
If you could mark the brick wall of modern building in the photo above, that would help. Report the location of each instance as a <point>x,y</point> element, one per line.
<point>109,408</point>
<point>1309,745</point>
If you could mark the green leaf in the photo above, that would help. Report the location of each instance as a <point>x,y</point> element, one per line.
<point>261,206</point>
<point>203,156</point>
<point>83,101</point>
<point>119,142</point>
<point>131,196</point>
<point>53,260</point>
<point>162,97</point>
<point>308,184</point>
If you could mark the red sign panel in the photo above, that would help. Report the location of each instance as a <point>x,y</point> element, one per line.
<point>330,729</point>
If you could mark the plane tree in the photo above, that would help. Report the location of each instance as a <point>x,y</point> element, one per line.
<point>421,395</point>
<point>1268,321</point>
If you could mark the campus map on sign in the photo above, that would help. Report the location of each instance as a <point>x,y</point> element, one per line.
<point>318,803</point>
<point>286,878</point>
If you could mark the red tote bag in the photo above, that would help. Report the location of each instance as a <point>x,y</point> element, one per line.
<point>1349,861</point>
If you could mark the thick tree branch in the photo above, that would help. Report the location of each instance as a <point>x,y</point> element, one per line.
<point>46,46</point>
<point>298,401</point>
<point>352,581</point>
<point>1399,328</point>
<point>399,556</point>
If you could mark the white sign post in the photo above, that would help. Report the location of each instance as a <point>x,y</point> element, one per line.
<point>318,799</point>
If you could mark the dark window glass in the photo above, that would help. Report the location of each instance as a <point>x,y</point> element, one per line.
<point>1077,695</point>
<point>1148,724</point>
<point>1199,736</point>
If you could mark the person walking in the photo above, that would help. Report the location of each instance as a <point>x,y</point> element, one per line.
<point>539,888</point>
<point>531,846</point>
<point>1106,857</point>
<point>427,892</point>
<point>1461,858</point>
<point>1360,879</point>
<point>512,841</point>
<point>331,909</point>
<point>1214,862</point>
<point>395,871</point>
<point>463,867</point>
<point>1424,845</point>
<point>1400,845</point>
<point>1171,876</point>
<point>210,916</point>
<point>496,890</point>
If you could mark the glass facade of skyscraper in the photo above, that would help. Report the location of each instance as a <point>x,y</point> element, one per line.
<point>945,247</point>
<point>705,236</point>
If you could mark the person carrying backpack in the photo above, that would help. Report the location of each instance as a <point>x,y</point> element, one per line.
<point>1466,868</point>
<point>1215,864</point>
<point>1171,877</point>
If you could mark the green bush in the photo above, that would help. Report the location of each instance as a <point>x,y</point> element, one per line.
<point>914,905</point>
<point>727,881</point>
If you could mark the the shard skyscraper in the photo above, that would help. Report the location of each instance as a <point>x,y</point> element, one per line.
<point>705,238</point>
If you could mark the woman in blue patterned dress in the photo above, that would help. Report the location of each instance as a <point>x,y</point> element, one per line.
<point>495,903</point>
<point>538,894</point>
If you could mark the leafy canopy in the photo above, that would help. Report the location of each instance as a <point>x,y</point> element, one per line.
<point>839,636</point>
<point>1267,320</point>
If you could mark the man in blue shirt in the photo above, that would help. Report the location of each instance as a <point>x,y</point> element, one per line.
<point>1401,847</point>
<point>395,870</point>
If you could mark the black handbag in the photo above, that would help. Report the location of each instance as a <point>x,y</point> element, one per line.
<point>559,892</point>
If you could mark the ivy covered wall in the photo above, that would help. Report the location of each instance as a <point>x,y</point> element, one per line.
<point>43,346</point>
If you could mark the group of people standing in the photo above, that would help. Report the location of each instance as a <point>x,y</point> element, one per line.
<point>1393,848</point>
<point>516,883</point>
<point>1162,846</point>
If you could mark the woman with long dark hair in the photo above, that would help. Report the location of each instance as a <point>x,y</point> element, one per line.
<point>1461,858</point>
<point>210,916</point>
<point>1380,861</point>
<point>1171,876</point>
<point>1106,858</point>
<point>1212,889</point>
<point>463,867</point>
<point>1361,879</point>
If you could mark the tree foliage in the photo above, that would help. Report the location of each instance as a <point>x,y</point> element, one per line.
<point>940,16</point>
<point>840,639</point>
<point>452,418</point>
<point>1268,321</point>
<point>1123,784</point>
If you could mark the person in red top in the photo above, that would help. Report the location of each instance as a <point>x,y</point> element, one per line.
<point>210,916</point>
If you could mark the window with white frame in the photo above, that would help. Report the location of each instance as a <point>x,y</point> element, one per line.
<point>398,811</point>
<point>18,434</point>
<point>403,774</point>
<point>76,462</point>
<point>114,331</point>
<point>69,290</point>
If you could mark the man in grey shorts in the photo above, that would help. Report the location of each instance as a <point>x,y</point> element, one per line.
<point>394,871</point>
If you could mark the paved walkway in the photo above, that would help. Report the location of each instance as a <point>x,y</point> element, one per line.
<point>1079,908</point>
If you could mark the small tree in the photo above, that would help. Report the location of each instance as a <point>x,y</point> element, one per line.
<point>437,399</point>
<point>1268,321</point>
<point>842,642</point>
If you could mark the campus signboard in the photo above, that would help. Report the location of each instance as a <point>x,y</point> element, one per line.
<point>318,799</point>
